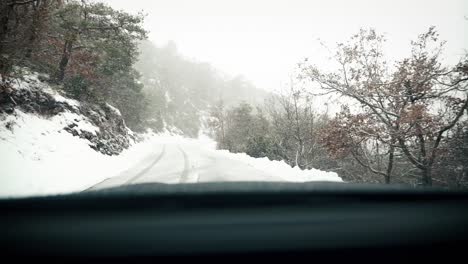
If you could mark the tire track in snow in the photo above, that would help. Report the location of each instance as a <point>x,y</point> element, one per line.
<point>145,170</point>
<point>185,172</point>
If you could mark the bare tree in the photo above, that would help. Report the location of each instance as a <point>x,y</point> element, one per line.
<point>359,136</point>
<point>296,126</point>
<point>414,105</point>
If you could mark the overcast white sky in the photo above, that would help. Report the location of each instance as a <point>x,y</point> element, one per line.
<point>263,40</point>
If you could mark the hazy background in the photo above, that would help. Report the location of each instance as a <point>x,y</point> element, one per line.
<point>263,40</point>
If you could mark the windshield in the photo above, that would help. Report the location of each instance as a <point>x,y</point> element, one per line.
<point>104,94</point>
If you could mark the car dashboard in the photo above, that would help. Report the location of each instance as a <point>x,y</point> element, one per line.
<point>323,220</point>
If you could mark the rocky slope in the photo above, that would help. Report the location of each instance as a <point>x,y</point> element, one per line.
<point>107,132</point>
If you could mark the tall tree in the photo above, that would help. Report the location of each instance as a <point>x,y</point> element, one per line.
<point>94,27</point>
<point>23,25</point>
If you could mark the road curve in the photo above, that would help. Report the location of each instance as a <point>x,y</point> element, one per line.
<point>186,163</point>
<point>145,170</point>
<point>185,172</point>
<point>123,179</point>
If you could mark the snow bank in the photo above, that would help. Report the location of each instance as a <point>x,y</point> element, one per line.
<point>40,158</point>
<point>282,169</point>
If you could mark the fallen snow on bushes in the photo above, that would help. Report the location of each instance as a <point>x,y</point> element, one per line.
<point>32,79</point>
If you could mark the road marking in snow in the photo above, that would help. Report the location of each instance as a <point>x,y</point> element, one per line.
<point>141,173</point>
<point>145,170</point>
<point>185,172</point>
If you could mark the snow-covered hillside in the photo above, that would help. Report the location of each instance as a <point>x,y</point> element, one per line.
<point>39,157</point>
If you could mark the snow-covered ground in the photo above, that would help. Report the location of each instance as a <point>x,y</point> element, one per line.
<point>279,170</point>
<point>39,158</point>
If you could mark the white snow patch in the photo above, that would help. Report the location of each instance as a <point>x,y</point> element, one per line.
<point>117,111</point>
<point>67,118</point>
<point>167,97</point>
<point>28,80</point>
<point>60,98</point>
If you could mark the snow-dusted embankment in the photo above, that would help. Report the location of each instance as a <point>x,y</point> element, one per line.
<point>38,157</point>
<point>199,149</point>
<point>282,169</point>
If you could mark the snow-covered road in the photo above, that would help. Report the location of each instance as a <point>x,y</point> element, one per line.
<point>39,158</point>
<point>186,163</point>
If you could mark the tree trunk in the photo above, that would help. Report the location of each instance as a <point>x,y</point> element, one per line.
<point>60,75</point>
<point>4,30</point>
<point>34,28</point>
<point>391,157</point>
<point>299,154</point>
<point>426,176</point>
<point>222,134</point>
<point>5,13</point>
<point>388,174</point>
<point>32,39</point>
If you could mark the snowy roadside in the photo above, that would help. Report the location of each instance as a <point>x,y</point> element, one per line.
<point>275,168</point>
<point>40,158</point>
<point>281,169</point>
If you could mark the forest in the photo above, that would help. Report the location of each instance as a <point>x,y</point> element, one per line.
<point>401,121</point>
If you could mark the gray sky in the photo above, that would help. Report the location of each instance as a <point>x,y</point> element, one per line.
<point>263,40</point>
